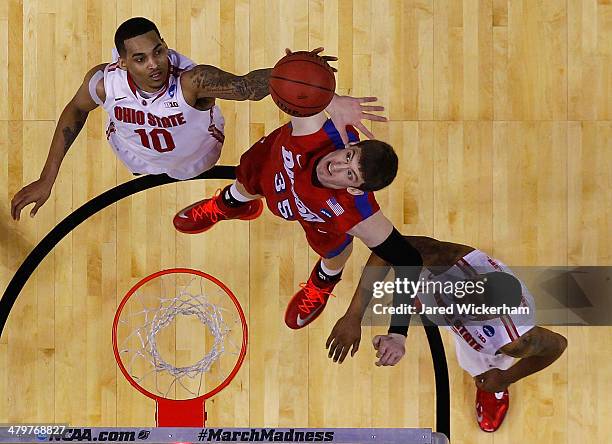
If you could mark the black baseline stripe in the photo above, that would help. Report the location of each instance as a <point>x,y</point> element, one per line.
<point>436,346</point>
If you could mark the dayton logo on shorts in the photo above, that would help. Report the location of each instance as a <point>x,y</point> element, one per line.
<point>488,330</point>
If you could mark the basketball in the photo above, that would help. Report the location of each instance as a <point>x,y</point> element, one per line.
<point>302,84</point>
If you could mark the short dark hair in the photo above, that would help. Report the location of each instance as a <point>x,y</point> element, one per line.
<point>377,164</point>
<point>132,28</point>
<point>501,289</point>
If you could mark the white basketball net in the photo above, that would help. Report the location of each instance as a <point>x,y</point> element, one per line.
<point>141,344</point>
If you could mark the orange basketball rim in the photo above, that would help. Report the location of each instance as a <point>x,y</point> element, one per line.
<point>155,311</point>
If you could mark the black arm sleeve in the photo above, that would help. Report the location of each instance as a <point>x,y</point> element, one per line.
<point>407,263</point>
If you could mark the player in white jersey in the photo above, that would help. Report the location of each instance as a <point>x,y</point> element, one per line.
<point>162,113</point>
<point>486,345</point>
<point>161,132</point>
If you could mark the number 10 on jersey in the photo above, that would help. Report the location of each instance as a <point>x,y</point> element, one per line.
<point>154,137</point>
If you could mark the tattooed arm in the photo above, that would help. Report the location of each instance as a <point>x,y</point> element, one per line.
<point>68,128</point>
<point>205,81</point>
<point>538,348</point>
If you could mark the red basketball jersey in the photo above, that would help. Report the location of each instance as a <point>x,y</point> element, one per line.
<point>281,168</point>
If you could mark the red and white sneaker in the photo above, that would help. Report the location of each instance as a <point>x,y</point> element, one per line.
<point>490,411</point>
<point>308,303</point>
<point>202,215</point>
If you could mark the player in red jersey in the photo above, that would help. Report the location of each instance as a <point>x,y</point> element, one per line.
<point>306,174</point>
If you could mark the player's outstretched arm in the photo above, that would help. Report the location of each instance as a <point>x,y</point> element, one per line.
<point>379,234</point>
<point>210,82</point>
<point>68,127</point>
<point>346,334</point>
<point>206,81</point>
<point>538,348</point>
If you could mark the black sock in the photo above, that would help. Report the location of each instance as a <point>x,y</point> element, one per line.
<point>326,277</point>
<point>229,200</point>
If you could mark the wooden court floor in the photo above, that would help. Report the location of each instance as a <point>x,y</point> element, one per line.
<point>500,111</point>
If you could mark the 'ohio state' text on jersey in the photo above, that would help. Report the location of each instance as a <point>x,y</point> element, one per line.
<point>162,133</point>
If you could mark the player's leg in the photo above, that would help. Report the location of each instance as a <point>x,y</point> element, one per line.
<point>233,202</point>
<point>241,200</point>
<point>491,408</point>
<point>334,265</point>
<point>308,303</point>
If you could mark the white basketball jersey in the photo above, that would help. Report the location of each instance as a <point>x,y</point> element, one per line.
<point>483,336</point>
<point>162,133</point>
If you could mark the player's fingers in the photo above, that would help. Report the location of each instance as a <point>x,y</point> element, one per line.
<point>288,51</point>
<point>17,198</point>
<point>372,108</point>
<point>376,341</point>
<point>345,351</point>
<point>317,50</point>
<point>355,347</point>
<point>383,351</point>
<point>367,99</point>
<point>18,207</point>
<point>329,340</point>
<point>339,352</point>
<point>361,127</point>
<point>37,205</point>
<point>385,358</point>
<point>332,349</point>
<point>393,358</point>
<point>374,117</point>
<point>328,58</point>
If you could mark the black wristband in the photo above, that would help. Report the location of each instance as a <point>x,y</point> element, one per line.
<point>400,329</point>
<point>407,262</point>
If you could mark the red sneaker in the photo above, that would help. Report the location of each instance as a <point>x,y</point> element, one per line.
<point>202,215</point>
<point>490,411</point>
<point>308,303</point>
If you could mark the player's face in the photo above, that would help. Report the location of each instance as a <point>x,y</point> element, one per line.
<point>146,60</point>
<point>340,169</point>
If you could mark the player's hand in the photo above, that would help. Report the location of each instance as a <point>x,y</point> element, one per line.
<point>345,334</point>
<point>390,348</point>
<point>317,52</point>
<point>492,381</point>
<point>346,110</point>
<point>37,193</point>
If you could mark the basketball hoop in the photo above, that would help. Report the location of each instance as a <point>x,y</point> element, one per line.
<point>155,315</point>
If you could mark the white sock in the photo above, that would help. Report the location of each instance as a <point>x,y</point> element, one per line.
<point>236,194</point>
<point>329,271</point>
